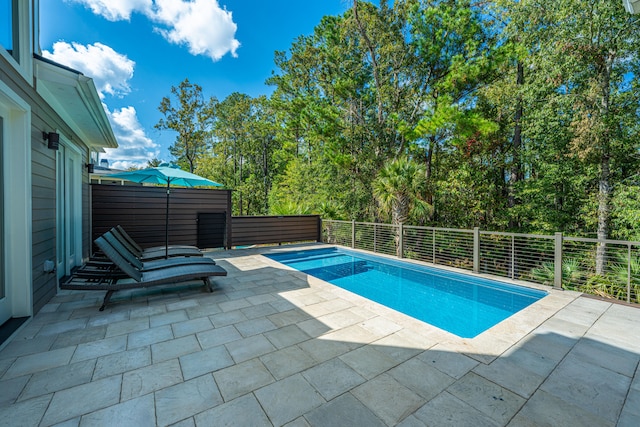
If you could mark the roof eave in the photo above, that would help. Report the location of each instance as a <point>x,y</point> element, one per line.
<point>75,98</point>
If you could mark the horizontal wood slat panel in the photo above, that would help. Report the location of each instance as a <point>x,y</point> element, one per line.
<point>141,211</point>
<point>255,230</point>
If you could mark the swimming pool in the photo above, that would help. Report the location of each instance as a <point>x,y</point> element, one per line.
<point>462,304</point>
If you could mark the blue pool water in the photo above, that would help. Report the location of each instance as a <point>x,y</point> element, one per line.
<point>462,304</point>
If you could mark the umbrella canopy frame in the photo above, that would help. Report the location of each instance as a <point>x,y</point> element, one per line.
<point>169,175</point>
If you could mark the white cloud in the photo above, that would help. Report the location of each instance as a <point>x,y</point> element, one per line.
<point>202,26</point>
<point>110,70</point>
<point>134,147</point>
<point>116,10</point>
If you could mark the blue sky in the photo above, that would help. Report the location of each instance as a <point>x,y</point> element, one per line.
<point>135,50</point>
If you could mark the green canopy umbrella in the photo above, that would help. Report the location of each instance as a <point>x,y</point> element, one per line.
<point>169,175</point>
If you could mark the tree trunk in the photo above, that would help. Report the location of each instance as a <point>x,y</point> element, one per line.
<point>515,174</point>
<point>399,215</point>
<point>374,61</point>
<point>604,197</point>
<point>428,167</point>
<point>604,185</point>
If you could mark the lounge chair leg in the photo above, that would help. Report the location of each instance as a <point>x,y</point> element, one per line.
<point>107,297</point>
<point>208,284</point>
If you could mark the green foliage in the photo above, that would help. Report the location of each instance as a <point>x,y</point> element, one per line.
<point>188,114</point>
<point>572,273</point>
<point>398,188</point>
<point>515,117</point>
<point>625,215</point>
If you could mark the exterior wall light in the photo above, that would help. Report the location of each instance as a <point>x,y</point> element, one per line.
<point>53,139</point>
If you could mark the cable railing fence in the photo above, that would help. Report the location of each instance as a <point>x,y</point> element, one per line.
<point>563,262</point>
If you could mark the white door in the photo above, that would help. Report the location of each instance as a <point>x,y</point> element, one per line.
<point>15,206</point>
<point>5,311</point>
<point>68,209</point>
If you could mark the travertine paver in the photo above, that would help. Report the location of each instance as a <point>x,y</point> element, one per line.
<point>205,361</point>
<point>243,378</point>
<point>39,362</point>
<point>25,413</point>
<point>332,378</point>
<point>94,349</point>
<point>496,402</point>
<point>602,392</point>
<point>149,336</point>
<point>174,348</point>
<point>186,399</point>
<point>368,362</point>
<point>421,378</point>
<point>81,336</point>
<point>83,399</point>
<point>60,327</point>
<point>345,410</point>
<point>59,378</point>
<point>288,361</point>
<point>272,346</point>
<point>547,410</point>
<point>252,327</point>
<point>19,348</point>
<point>218,336</point>
<point>150,378</point>
<point>453,364</point>
<point>277,401</point>
<point>139,412</point>
<point>243,411</point>
<point>248,348</point>
<point>189,327</point>
<point>286,336</point>
<point>168,318</point>
<point>124,361</point>
<point>127,326</point>
<point>447,410</point>
<point>11,389</point>
<point>515,377</point>
<point>388,399</point>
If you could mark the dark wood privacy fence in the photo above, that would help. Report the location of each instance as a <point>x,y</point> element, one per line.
<point>200,217</point>
<point>255,230</point>
<point>141,212</point>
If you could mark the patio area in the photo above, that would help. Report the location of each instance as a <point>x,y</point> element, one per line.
<point>272,346</point>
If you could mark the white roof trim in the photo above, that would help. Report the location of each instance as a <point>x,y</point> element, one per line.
<point>74,96</point>
<point>632,6</point>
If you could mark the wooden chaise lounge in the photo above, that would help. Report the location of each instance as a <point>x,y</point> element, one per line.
<point>142,278</point>
<point>155,252</point>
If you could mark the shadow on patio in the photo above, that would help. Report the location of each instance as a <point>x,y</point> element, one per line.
<point>273,346</point>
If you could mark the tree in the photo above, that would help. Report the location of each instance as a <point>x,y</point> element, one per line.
<point>187,113</point>
<point>398,189</point>
<point>154,163</point>
<point>590,49</point>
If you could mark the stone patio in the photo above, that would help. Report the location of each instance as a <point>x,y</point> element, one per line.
<point>272,346</point>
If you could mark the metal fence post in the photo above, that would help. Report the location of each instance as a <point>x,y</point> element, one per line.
<point>400,250</point>
<point>375,237</point>
<point>433,241</point>
<point>557,262</point>
<point>629,272</point>
<point>513,257</point>
<point>476,249</point>
<point>353,234</point>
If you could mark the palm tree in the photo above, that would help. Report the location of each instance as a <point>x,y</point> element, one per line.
<point>398,188</point>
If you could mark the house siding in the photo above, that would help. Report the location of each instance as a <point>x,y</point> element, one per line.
<point>43,185</point>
